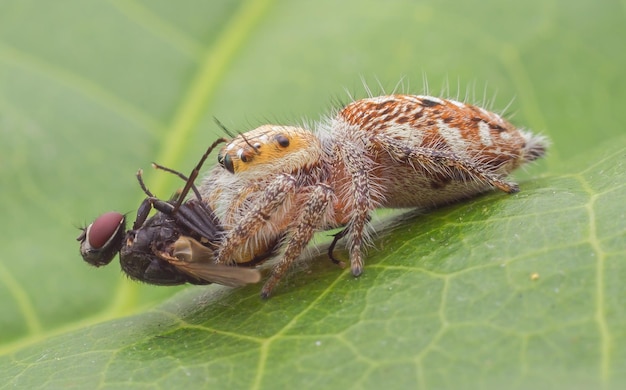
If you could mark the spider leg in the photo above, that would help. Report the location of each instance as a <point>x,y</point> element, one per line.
<point>443,161</point>
<point>309,220</point>
<point>272,197</point>
<point>361,202</point>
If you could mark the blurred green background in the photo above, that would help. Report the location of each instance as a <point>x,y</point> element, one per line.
<point>91,91</point>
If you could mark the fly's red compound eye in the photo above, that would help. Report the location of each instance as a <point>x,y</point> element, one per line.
<point>101,240</point>
<point>104,228</point>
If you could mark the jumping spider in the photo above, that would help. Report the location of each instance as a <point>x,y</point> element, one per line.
<point>275,186</point>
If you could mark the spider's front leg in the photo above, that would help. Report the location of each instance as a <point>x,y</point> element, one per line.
<point>309,219</point>
<point>273,196</point>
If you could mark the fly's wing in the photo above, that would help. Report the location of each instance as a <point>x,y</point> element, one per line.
<point>194,259</point>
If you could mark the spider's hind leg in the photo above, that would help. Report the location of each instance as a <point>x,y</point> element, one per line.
<point>444,162</point>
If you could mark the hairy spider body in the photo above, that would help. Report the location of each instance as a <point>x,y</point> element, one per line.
<point>277,185</point>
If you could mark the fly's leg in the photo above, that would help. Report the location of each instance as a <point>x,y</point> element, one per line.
<point>442,161</point>
<point>309,220</point>
<point>331,248</point>
<point>178,194</point>
<point>194,214</point>
<point>189,181</point>
<point>195,172</point>
<point>273,197</point>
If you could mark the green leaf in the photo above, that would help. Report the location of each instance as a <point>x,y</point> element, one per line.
<point>499,292</point>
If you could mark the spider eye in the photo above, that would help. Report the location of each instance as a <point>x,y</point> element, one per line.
<point>226,162</point>
<point>282,140</point>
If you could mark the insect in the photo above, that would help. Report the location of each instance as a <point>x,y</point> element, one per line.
<point>275,186</point>
<point>175,246</point>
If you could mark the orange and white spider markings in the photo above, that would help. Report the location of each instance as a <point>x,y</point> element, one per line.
<point>277,185</point>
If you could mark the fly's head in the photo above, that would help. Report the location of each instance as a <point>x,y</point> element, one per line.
<point>103,239</point>
<point>270,149</point>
